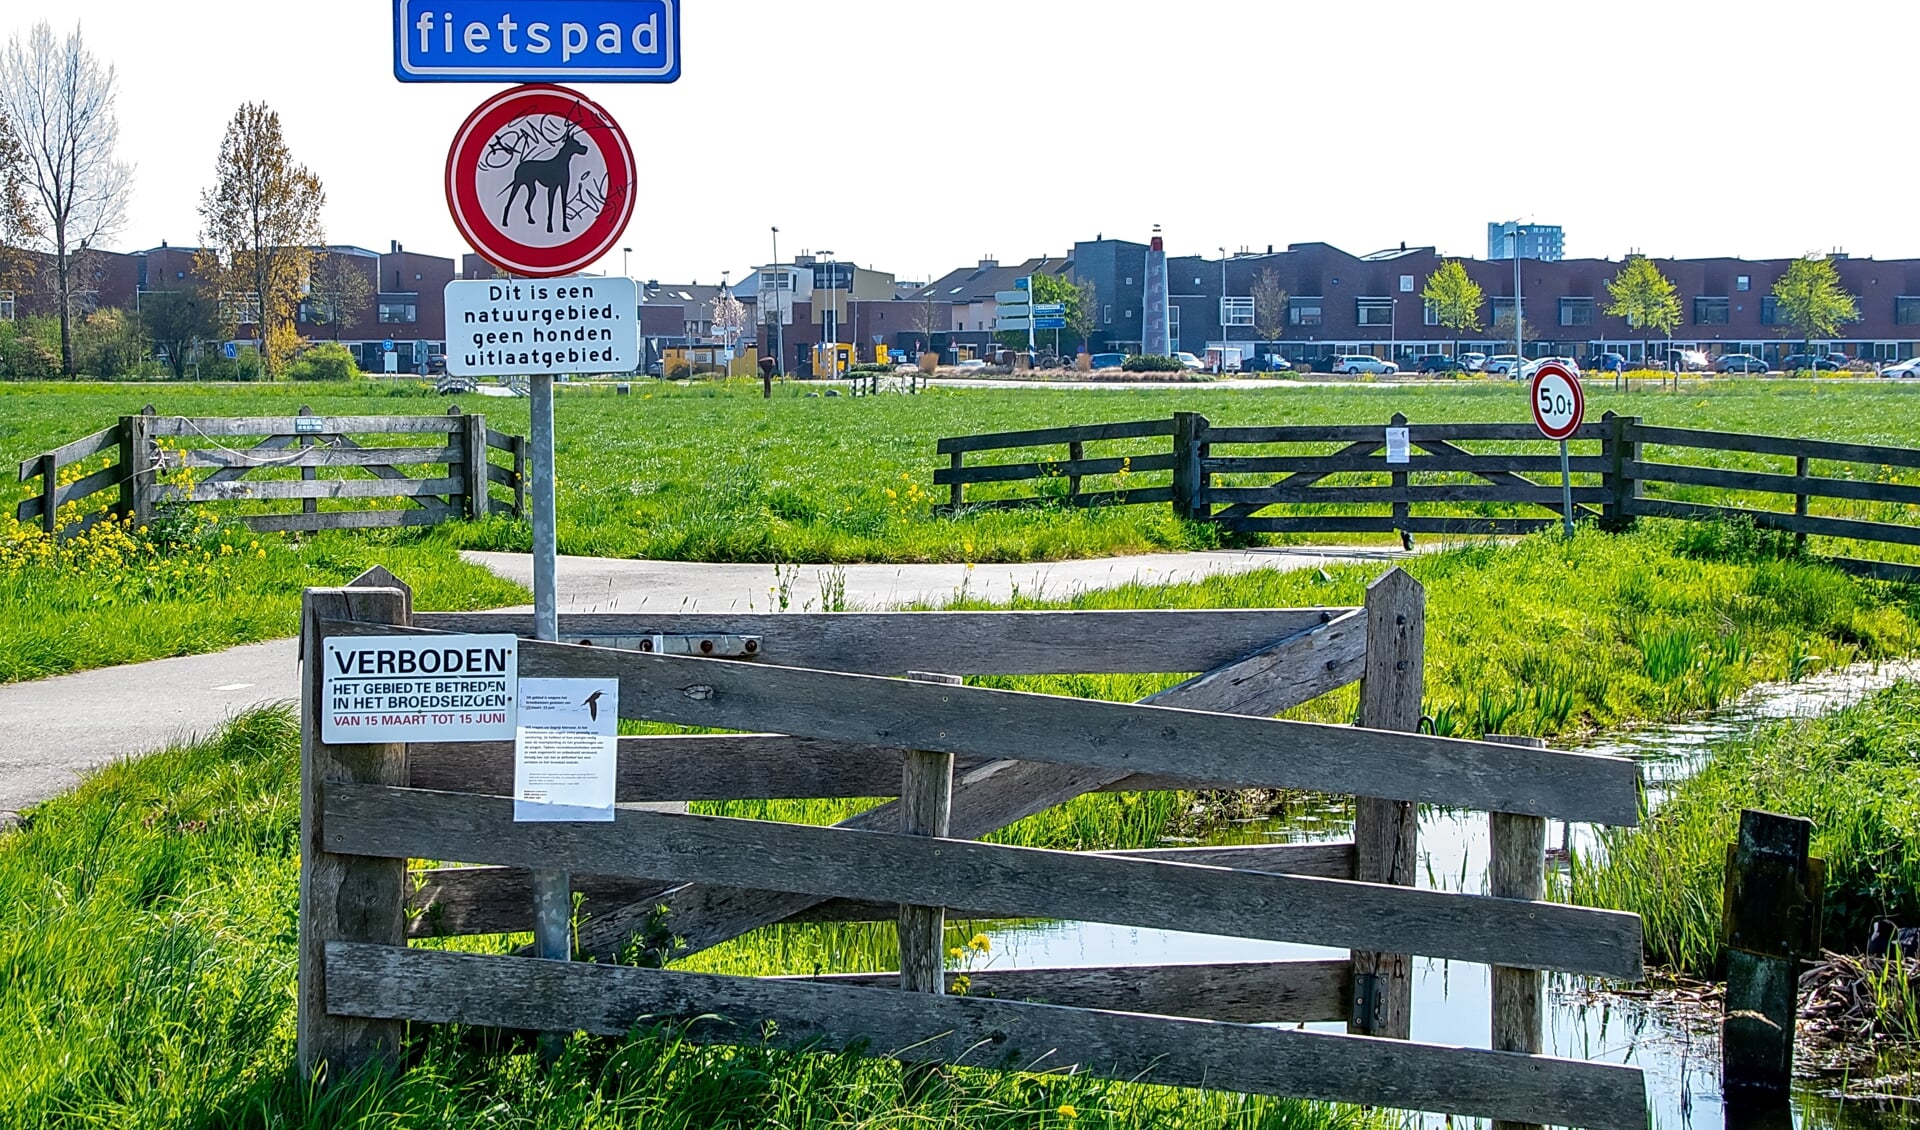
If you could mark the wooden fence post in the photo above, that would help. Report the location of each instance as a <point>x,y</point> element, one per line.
<point>1076,451</point>
<point>136,463</point>
<point>1800,498</point>
<point>957,493</point>
<point>1401,511</point>
<point>1386,832</point>
<point>1517,869</point>
<point>1189,485</point>
<point>1620,452</point>
<point>474,468</point>
<point>926,803</point>
<point>1771,918</point>
<point>307,474</point>
<point>342,898</point>
<point>49,493</point>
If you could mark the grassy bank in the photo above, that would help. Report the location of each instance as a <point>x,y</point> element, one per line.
<point>713,472</point>
<point>1855,773</point>
<point>147,926</point>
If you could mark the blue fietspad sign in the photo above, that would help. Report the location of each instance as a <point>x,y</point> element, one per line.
<point>536,40</point>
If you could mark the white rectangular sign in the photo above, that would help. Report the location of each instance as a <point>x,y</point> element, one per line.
<point>418,688</point>
<point>1397,445</point>
<point>1011,297</point>
<point>529,327</point>
<point>564,753</point>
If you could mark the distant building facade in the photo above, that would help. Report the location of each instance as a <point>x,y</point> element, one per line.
<point>1512,240</point>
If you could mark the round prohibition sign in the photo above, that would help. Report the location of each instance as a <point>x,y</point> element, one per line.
<point>540,180</point>
<point>1558,403</point>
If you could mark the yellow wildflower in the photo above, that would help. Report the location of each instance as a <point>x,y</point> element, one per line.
<point>1068,1112</point>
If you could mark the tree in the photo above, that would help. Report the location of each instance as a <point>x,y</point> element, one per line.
<point>1644,297</point>
<point>1455,299</point>
<point>1076,303</point>
<point>17,228</point>
<point>59,101</point>
<point>177,321</point>
<point>730,318</point>
<point>338,291</point>
<point>1269,305</point>
<point>261,221</point>
<point>1812,300</point>
<point>1503,328</point>
<point>933,317</point>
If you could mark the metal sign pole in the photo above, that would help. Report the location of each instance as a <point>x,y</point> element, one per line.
<point>1566,489</point>
<point>552,898</point>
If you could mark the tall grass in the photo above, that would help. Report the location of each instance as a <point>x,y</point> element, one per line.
<point>147,930</point>
<point>1854,773</point>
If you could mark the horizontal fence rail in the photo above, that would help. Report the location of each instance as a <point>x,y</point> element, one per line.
<point>370,812</point>
<point>1622,468</point>
<point>153,472</point>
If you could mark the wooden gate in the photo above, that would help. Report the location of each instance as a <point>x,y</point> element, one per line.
<point>814,717</point>
<point>250,459</point>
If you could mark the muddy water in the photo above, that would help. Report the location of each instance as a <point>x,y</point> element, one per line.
<point>1673,1042</point>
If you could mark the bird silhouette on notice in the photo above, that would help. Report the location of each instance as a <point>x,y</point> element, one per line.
<point>592,704</point>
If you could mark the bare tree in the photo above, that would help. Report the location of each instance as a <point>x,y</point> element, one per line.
<point>339,291</point>
<point>59,100</point>
<point>730,318</point>
<point>262,219</point>
<point>1269,305</point>
<point>17,227</point>
<point>933,317</point>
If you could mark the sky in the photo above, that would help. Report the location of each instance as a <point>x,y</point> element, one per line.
<point>916,137</point>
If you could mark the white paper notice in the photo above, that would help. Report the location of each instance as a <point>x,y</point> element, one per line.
<point>1396,445</point>
<point>564,749</point>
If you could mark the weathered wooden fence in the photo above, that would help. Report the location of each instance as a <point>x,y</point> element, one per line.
<point>812,719</point>
<point>220,453</point>
<point>1622,468</point>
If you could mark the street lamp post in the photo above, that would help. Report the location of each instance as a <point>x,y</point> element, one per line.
<point>1519,318</point>
<point>779,339</point>
<point>1393,328</point>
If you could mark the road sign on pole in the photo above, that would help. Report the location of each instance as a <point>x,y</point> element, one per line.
<point>1558,408</point>
<point>528,327</point>
<point>536,40</point>
<point>540,181</point>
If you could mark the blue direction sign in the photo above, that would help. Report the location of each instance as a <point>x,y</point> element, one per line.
<point>230,351</point>
<point>536,40</point>
<point>1042,322</point>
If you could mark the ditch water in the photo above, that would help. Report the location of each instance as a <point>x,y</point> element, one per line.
<point>1672,1038</point>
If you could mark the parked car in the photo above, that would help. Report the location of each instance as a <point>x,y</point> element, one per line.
<point>1739,363</point>
<point>1689,361</point>
<point>1108,360</point>
<point>1189,360</point>
<point>1818,362</point>
<point>1501,365</point>
<point>1354,364</point>
<point>1439,363</point>
<point>1908,368</point>
<point>1569,364</point>
<point>1271,363</point>
<point>1608,362</point>
<point>1473,361</point>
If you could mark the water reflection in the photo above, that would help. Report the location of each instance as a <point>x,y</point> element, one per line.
<point>1673,1039</point>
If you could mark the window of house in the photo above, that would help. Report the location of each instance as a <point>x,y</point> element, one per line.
<point>1498,308</point>
<point>1373,311</point>
<point>1743,283</point>
<point>1129,280</point>
<point>1129,313</point>
<point>1770,312</point>
<point>396,312</point>
<point>239,309</point>
<point>1709,311</point>
<point>1106,314</point>
<point>1303,312</point>
<point>1236,311</point>
<point>1576,311</point>
<point>6,306</point>
<point>1406,284</point>
<point>1430,314</point>
<point>1906,311</point>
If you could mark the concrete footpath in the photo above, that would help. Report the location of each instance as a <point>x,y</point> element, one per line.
<point>53,730</point>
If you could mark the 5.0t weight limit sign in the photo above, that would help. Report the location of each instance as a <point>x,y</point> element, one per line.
<point>1558,405</point>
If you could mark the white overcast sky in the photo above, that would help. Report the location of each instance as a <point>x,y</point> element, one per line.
<point>889,131</point>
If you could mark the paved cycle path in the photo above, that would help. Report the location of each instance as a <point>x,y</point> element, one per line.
<point>53,730</point>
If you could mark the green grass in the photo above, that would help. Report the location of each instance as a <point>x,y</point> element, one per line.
<point>147,929</point>
<point>1855,773</point>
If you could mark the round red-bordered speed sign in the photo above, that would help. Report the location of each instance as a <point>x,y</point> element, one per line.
<point>1558,403</point>
<point>540,180</point>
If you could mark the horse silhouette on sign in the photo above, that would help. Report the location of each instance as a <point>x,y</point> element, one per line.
<point>553,173</point>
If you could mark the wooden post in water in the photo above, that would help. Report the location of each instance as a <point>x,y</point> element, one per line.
<point>1770,920</point>
<point>1386,832</point>
<point>1517,869</point>
<point>342,897</point>
<point>926,802</point>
